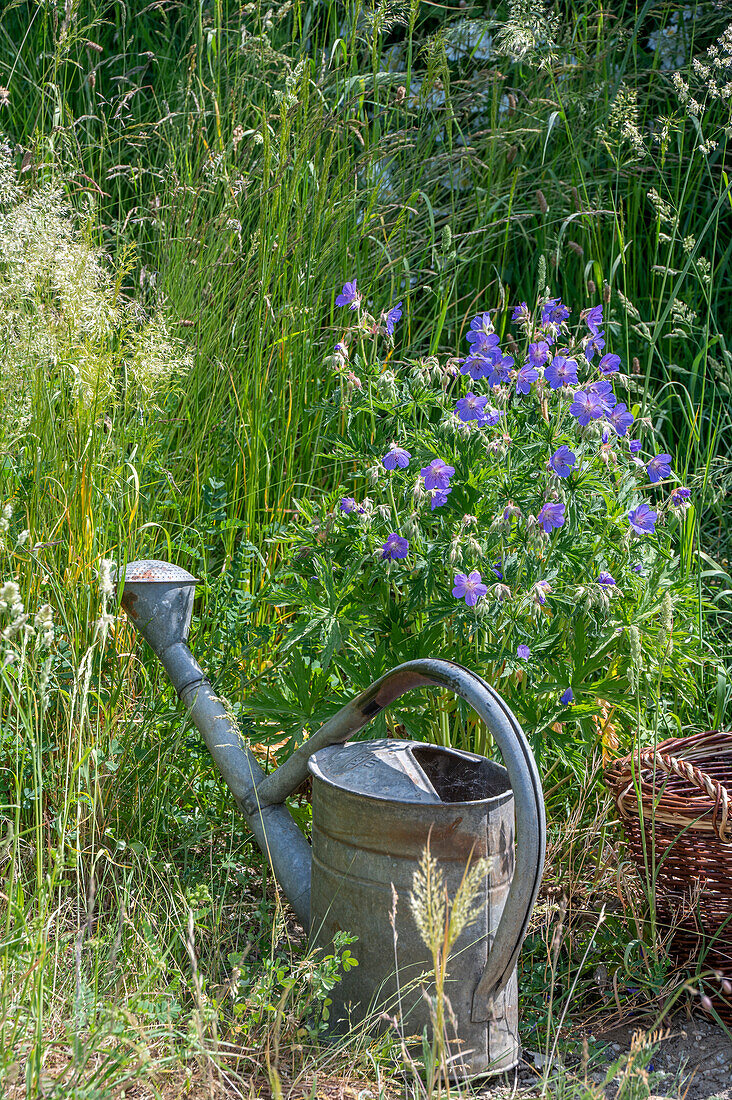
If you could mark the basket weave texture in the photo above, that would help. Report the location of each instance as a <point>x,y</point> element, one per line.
<point>683,820</point>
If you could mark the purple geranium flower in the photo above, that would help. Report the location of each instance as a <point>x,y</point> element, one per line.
<point>567,697</point>
<point>593,318</point>
<point>482,342</point>
<point>349,296</point>
<point>595,344</point>
<point>604,391</point>
<point>396,456</point>
<point>395,547</point>
<point>480,326</point>
<point>609,363</point>
<point>658,468</point>
<point>497,568</point>
<point>538,353</point>
<point>562,461</point>
<point>500,371</point>
<point>477,366</point>
<point>491,417</point>
<point>526,375</point>
<point>439,497</point>
<point>437,475</point>
<point>680,496</point>
<point>587,406</point>
<point>553,312</point>
<point>551,515</point>
<point>348,504</point>
<point>480,362</point>
<point>394,315</point>
<point>341,349</point>
<point>607,580</point>
<point>638,567</point>
<point>520,313</point>
<point>523,652</point>
<point>470,588</point>
<point>471,407</point>
<point>621,418</point>
<point>561,372</point>
<point>635,445</point>
<point>643,519</point>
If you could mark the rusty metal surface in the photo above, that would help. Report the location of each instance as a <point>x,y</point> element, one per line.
<point>158,597</point>
<point>157,572</point>
<point>361,847</point>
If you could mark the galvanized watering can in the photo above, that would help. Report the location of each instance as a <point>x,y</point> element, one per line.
<point>375,805</point>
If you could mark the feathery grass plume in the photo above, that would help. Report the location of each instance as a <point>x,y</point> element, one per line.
<point>156,357</point>
<point>440,922</point>
<point>529,33</point>
<point>623,131</point>
<point>62,323</point>
<point>666,625</point>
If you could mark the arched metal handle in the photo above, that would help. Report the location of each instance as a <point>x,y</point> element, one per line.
<point>522,772</point>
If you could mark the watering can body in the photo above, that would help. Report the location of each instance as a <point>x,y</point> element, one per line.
<point>375,807</point>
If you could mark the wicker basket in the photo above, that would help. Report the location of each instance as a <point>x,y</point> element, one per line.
<point>686,831</point>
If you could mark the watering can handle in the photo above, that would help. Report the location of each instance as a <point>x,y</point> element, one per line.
<point>522,772</point>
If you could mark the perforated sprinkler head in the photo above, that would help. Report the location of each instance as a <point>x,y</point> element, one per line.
<point>158,598</point>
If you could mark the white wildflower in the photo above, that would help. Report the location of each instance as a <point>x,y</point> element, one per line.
<point>43,622</point>
<point>106,582</point>
<point>103,624</point>
<point>10,598</point>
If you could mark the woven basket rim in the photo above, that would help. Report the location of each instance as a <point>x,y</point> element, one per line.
<point>666,797</point>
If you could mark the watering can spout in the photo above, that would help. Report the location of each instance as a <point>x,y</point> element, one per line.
<point>158,598</point>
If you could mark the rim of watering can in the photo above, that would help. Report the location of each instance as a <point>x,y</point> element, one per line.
<point>495,799</point>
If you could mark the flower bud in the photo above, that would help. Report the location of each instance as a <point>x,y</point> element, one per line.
<point>411,525</point>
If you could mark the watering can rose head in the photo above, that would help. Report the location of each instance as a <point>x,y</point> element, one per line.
<point>487,502</point>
